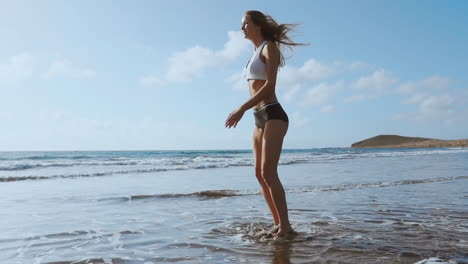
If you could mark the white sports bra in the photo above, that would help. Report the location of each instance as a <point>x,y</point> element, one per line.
<point>256,68</point>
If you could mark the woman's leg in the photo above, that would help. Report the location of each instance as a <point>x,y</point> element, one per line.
<point>272,143</point>
<point>257,150</point>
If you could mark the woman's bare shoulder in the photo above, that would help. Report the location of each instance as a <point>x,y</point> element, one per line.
<point>270,50</point>
<point>271,47</point>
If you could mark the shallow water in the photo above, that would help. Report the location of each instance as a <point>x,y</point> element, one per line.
<point>348,206</point>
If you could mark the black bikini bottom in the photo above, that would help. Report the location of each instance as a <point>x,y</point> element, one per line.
<point>267,112</point>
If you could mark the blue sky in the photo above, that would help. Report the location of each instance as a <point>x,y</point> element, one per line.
<point>151,75</point>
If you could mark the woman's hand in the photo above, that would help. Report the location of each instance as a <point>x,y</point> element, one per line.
<point>234,118</point>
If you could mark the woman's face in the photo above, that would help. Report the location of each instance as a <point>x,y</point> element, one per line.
<point>249,28</point>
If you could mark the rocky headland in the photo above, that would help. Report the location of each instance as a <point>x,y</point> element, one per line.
<point>395,141</point>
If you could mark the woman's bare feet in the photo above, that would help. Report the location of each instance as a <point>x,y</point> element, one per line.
<point>267,233</point>
<point>272,232</point>
<point>274,229</point>
<point>285,232</point>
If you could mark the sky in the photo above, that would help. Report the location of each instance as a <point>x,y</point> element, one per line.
<point>164,75</point>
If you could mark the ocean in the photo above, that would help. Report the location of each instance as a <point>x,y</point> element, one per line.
<point>347,205</point>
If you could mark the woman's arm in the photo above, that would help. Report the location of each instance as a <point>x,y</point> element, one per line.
<point>271,54</point>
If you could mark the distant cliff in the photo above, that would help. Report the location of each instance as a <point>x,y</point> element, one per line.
<point>395,141</point>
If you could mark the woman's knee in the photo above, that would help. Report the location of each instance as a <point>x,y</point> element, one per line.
<point>259,175</point>
<point>269,168</point>
<point>266,177</point>
<point>270,176</point>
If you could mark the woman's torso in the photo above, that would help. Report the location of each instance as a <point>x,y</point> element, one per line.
<point>255,72</point>
<point>254,87</point>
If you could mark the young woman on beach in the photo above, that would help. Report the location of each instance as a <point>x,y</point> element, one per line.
<point>271,121</point>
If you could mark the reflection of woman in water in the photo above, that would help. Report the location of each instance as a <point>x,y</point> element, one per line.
<point>271,122</point>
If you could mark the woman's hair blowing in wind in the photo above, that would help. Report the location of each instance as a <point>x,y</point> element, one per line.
<point>274,32</point>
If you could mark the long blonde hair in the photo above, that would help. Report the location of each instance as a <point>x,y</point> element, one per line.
<point>274,32</point>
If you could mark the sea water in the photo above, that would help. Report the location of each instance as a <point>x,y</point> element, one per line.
<point>347,205</point>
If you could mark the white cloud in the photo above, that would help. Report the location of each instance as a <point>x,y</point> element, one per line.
<point>433,101</point>
<point>65,67</point>
<point>434,104</point>
<point>434,108</point>
<point>315,70</point>
<point>291,79</point>
<point>415,98</point>
<point>188,64</point>
<point>420,91</point>
<point>235,46</point>
<point>445,108</point>
<point>150,81</point>
<point>289,95</point>
<point>185,65</point>
<point>320,94</point>
<point>311,70</point>
<point>327,109</point>
<point>358,65</point>
<point>18,67</point>
<point>298,120</point>
<point>238,81</point>
<point>374,85</point>
<point>432,83</point>
<point>356,98</point>
<point>379,80</point>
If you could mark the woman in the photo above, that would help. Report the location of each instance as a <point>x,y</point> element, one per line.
<point>270,119</point>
